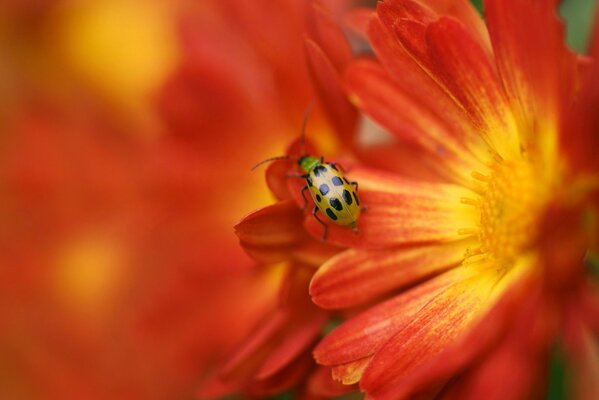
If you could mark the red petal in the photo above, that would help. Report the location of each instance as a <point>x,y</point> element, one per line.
<point>413,79</point>
<point>434,327</point>
<point>355,276</point>
<point>326,33</point>
<point>483,338</point>
<point>350,373</point>
<point>358,20</point>
<point>583,354</point>
<point>276,179</point>
<point>365,334</point>
<point>329,86</point>
<point>292,345</point>
<point>537,69</point>
<point>272,229</point>
<point>284,380</point>
<point>401,211</point>
<point>246,358</point>
<point>466,70</point>
<point>401,114</point>
<point>321,383</point>
<point>463,11</point>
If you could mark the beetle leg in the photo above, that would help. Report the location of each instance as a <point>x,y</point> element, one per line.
<point>355,185</point>
<point>304,197</point>
<point>324,233</point>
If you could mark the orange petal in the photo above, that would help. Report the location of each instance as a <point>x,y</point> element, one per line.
<point>284,379</point>
<point>292,345</point>
<point>400,211</point>
<point>466,70</point>
<point>363,335</point>
<point>326,33</point>
<point>484,338</point>
<point>321,384</point>
<point>273,227</point>
<point>276,178</point>
<point>350,373</point>
<point>355,276</point>
<point>246,358</point>
<point>537,69</point>
<point>397,110</point>
<point>412,78</point>
<point>329,87</point>
<point>358,19</point>
<point>583,354</point>
<point>434,327</point>
<point>463,11</point>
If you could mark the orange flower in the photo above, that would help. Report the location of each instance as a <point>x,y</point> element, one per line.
<point>474,255</point>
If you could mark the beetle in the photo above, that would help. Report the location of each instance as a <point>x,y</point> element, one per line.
<point>334,196</point>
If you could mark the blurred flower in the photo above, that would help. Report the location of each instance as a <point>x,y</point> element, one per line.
<point>474,255</point>
<point>129,129</point>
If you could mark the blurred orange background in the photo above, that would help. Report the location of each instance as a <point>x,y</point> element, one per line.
<point>127,133</point>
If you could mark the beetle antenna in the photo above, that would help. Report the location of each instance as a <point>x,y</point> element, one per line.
<point>270,159</point>
<point>303,131</point>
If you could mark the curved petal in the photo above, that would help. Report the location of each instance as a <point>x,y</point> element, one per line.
<point>396,110</point>
<point>321,384</point>
<point>356,276</point>
<point>537,69</point>
<point>292,345</point>
<point>401,211</point>
<point>363,335</point>
<point>414,78</point>
<point>462,65</point>
<point>329,86</point>
<point>438,324</point>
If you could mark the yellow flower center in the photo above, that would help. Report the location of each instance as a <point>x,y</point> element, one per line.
<point>509,210</point>
<point>509,205</point>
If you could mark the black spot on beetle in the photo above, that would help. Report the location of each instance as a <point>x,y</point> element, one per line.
<point>319,170</point>
<point>356,197</point>
<point>309,180</point>
<point>324,189</point>
<point>331,214</point>
<point>336,204</point>
<point>347,197</point>
<point>333,166</point>
<point>337,181</point>
<point>318,198</point>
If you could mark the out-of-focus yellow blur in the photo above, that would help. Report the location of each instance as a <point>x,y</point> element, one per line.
<point>127,133</point>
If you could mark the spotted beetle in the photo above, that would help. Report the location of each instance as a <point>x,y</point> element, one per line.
<point>335,196</point>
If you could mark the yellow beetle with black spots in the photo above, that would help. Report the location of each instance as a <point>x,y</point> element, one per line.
<point>335,197</point>
<point>333,194</point>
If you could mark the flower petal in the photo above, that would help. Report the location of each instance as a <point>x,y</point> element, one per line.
<point>321,384</point>
<point>438,324</point>
<point>269,233</point>
<point>324,30</point>
<point>396,110</point>
<point>355,276</point>
<point>363,335</point>
<point>329,86</point>
<point>466,71</point>
<point>520,302</point>
<point>413,78</point>
<point>463,11</point>
<point>292,345</point>
<point>401,211</point>
<point>537,69</point>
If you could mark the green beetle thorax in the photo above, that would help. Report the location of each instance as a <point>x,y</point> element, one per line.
<point>307,163</point>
